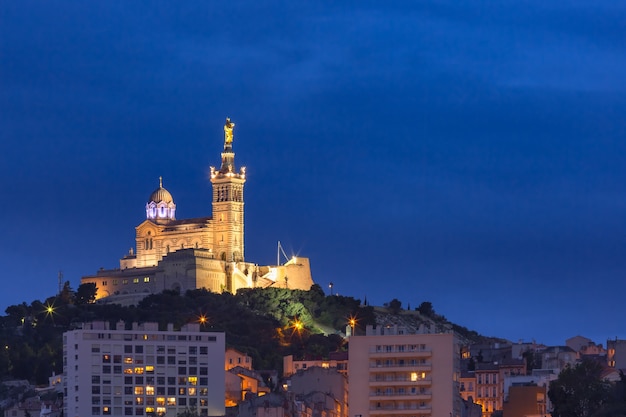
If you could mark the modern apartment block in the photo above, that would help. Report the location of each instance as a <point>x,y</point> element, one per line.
<point>396,374</point>
<point>142,371</point>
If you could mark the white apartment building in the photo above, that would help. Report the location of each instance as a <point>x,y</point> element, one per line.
<point>143,371</point>
<point>396,374</point>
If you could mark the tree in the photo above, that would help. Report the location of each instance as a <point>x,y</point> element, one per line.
<point>86,293</point>
<point>579,391</point>
<point>426,308</point>
<point>533,361</point>
<point>395,306</point>
<point>67,294</point>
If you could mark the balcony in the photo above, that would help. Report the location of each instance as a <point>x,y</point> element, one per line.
<point>395,381</point>
<point>424,353</point>
<point>424,395</point>
<point>418,367</point>
<point>392,409</point>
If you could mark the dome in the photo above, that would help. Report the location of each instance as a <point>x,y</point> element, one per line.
<point>161,194</point>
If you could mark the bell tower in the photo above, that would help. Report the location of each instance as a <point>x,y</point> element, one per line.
<point>228,203</point>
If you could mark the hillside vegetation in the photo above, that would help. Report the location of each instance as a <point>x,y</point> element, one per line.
<point>264,323</point>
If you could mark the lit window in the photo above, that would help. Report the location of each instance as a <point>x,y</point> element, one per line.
<point>146,279</point>
<point>138,390</point>
<point>171,401</point>
<point>160,401</point>
<point>149,390</point>
<point>139,371</point>
<point>413,376</point>
<point>191,391</point>
<point>135,280</point>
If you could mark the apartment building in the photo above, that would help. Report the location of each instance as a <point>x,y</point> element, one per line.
<point>142,371</point>
<point>396,373</point>
<point>487,384</point>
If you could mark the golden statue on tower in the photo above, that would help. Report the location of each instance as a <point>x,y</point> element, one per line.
<point>228,131</point>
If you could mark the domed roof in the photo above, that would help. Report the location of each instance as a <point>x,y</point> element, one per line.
<point>161,194</point>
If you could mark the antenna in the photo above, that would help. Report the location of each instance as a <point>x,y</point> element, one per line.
<point>60,276</point>
<point>280,250</point>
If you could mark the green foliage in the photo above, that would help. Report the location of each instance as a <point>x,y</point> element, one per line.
<point>533,361</point>
<point>579,391</point>
<point>259,322</point>
<point>394,306</point>
<point>426,308</point>
<point>85,294</point>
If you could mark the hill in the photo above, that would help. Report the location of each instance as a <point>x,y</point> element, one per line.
<point>264,323</point>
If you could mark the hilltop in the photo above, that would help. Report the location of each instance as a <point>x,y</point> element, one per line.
<point>264,323</point>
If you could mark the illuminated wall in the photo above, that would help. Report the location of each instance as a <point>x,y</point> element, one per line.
<point>142,371</point>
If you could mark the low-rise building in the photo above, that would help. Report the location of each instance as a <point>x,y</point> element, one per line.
<point>235,358</point>
<point>329,381</point>
<point>525,401</point>
<point>336,360</point>
<point>616,353</point>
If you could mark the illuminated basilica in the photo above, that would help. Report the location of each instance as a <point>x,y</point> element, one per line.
<point>204,252</point>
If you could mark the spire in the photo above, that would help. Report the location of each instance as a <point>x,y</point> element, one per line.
<point>160,182</point>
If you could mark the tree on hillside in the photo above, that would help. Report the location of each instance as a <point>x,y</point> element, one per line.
<point>579,391</point>
<point>394,306</point>
<point>85,294</point>
<point>426,308</point>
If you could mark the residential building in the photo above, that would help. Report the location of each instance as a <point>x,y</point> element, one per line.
<point>558,357</point>
<point>308,384</point>
<point>487,387</point>
<point>337,360</point>
<point>467,385</point>
<point>235,358</point>
<point>616,353</point>
<point>241,383</point>
<point>142,371</point>
<point>525,401</point>
<point>394,372</point>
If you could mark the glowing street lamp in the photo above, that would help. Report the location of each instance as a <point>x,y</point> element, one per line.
<point>352,322</point>
<point>331,288</point>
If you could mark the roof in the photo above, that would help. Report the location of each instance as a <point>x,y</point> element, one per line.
<point>161,195</point>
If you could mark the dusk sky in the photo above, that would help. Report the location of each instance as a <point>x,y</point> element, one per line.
<point>471,154</point>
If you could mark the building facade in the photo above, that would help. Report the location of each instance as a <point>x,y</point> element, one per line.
<point>394,373</point>
<point>205,252</point>
<point>142,371</point>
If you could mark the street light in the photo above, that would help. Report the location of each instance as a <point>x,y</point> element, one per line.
<point>331,288</point>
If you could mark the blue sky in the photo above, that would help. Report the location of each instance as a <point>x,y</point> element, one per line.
<point>468,154</point>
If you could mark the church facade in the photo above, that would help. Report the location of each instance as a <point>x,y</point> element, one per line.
<point>205,252</point>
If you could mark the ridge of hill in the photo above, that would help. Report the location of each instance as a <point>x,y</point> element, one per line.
<point>267,324</point>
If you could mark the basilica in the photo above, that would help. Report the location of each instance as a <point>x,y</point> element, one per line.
<point>204,252</point>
